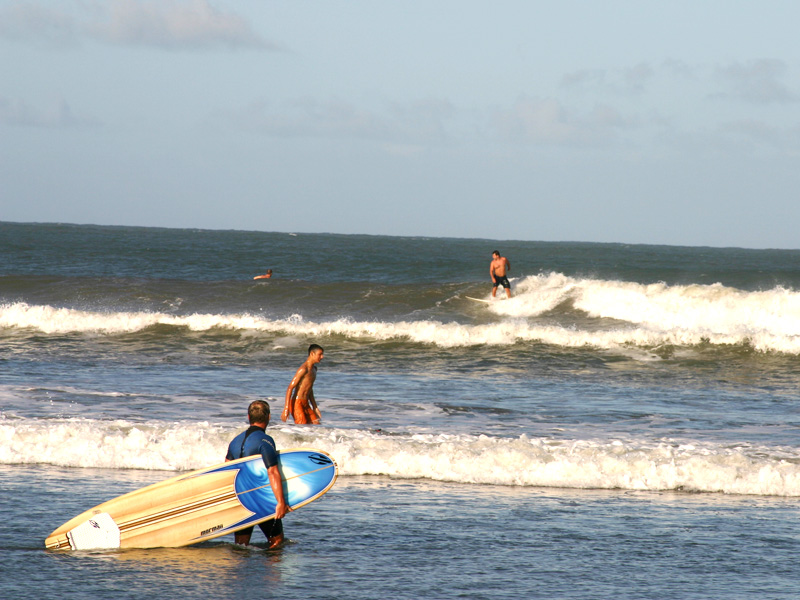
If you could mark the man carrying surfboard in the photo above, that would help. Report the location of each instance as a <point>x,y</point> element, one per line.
<point>249,443</point>
<point>300,402</point>
<point>498,269</point>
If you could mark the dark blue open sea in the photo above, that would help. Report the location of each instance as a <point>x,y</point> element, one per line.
<point>624,427</point>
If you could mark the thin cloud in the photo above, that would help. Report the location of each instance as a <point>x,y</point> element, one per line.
<point>170,24</point>
<point>628,81</point>
<point>679,68</point>
<point>416,123</point>
<point>584,79</point>
<point>741,137</point>
<point>758,134</point>
<point>20,114</point>
<point>548,121</point>
<point>174,24</point>
<point>757,82</point>
<point>23,21</point>
<point>637,77</point>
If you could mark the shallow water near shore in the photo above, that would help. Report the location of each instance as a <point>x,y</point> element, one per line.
<point>374,537</point>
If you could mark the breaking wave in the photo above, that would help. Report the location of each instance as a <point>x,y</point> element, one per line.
<point>664,464</point>
<point>551,308</point>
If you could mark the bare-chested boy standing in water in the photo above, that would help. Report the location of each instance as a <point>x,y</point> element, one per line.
<point>300,402</point>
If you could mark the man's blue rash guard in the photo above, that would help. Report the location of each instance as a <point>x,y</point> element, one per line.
<point>251,442</point>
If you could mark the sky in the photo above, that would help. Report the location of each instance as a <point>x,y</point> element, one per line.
<point>631,121</point>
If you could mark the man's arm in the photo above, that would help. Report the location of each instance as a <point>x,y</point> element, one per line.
<point>287,405</point>
<point>229,455</point>
<point>277,488</point>
<point>491,272</point>
<point>312,402</point>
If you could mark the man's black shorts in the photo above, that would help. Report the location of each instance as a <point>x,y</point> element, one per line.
<point>501,281</point>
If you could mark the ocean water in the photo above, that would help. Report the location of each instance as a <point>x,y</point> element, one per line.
<point>625,426</point>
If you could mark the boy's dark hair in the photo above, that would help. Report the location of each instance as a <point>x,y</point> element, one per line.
<point>314,347</point>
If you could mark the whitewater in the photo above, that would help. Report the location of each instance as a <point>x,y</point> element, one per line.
<point>603,314</point>
<point>465,459</point>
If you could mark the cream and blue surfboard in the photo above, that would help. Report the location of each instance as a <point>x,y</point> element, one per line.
<point>198,506</point>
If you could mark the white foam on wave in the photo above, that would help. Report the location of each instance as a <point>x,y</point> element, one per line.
<point>110,444</point>
<point>625,314</point>
<point>53,320</point>
<point>706,309</point>
<point>467,459</point>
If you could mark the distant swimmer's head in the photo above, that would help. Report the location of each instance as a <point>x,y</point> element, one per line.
<point>258,412</point>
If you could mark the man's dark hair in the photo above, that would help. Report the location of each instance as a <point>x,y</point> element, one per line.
<point>258,412</point>
<point>314,347</point>
<point>497,252</point>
